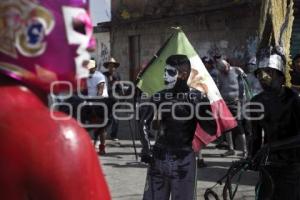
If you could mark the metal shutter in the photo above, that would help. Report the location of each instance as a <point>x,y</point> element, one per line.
<point>295,44</point>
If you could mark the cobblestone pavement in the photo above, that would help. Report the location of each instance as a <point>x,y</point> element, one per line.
<point>126,177</point>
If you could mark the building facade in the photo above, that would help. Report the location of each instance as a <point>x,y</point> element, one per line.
<point>103,44</point>
<point>140,27</point>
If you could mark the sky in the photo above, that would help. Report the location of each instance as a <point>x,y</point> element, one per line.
<point>100,11</point>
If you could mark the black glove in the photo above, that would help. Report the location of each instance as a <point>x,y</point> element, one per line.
<point>260,157</point>
<point>251,165</point>
<point>147,158</point>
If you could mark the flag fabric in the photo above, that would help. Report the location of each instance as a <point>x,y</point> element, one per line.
<point>247,88</point>
<point>151,81</point>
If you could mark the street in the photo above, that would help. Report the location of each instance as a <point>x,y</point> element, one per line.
<point>126,177</point>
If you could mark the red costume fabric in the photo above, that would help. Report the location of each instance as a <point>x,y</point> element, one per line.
<point>41,158</point>
<point>44,43</point>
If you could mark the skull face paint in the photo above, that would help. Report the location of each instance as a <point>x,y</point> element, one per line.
<point>170,76</point>
<point>45,41</point>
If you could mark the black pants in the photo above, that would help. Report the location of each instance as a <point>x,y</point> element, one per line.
<point>114,127</point>
<point>286,184</point>
<point>172,174</point>
<point>113,123</point>
<point>235,109</point>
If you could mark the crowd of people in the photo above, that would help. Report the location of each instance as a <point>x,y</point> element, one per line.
<point>237,86</point>
<point>46,158</point>
<point>273,133</point>
<point>254,82</point>
<point>97,92</point>
<point>171,159</point>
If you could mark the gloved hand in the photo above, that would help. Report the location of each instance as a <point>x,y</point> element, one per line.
<point>259,157</point>
<point>147,158</point>
<point>251,165</point>
<point>262,153</point>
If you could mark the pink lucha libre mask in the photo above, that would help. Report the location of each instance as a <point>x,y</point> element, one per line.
<point>43,41</point>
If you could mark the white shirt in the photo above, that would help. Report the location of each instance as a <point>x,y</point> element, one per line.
<point>94,81</point>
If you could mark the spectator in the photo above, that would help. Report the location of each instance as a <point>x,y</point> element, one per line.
<point>97,87</point>
<point>209,65</point>
<point>231,86</point>
<point>252,88</point>
<point>253,82</point>
<point>113,77</point>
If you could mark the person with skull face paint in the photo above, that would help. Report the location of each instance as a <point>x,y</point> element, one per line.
<point>172,162</point>
<point>279,148</point>
<point>42,157</point>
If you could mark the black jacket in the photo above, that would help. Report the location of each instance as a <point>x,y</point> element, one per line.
<point>280,123</point>
<point>174,132</point>
<point>111,79</point>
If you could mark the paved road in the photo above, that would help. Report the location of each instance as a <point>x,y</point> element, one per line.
<point>126,177</point>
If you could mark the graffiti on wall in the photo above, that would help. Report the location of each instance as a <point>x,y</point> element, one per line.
<point>103,52</point>
<point>251,43</point>
<point>242,53</point>
<point>236,53</point>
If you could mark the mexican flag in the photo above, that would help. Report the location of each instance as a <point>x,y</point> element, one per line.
<point>151,81</point>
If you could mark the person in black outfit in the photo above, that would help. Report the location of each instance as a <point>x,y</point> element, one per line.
<point>280,145</point>
<point>172,161</point>
<point>113,77</point>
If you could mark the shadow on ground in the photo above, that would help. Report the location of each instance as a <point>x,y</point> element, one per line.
<point>127,165</point>
<point>215,173</point>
